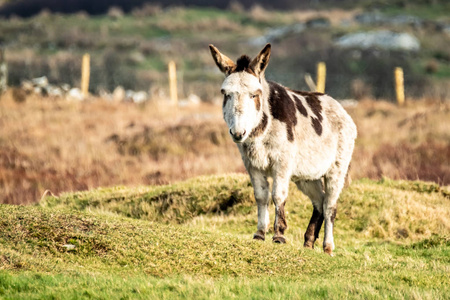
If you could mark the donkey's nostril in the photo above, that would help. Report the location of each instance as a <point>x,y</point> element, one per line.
<point>237,136</point>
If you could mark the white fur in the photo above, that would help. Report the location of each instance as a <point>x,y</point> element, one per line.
<point>239,87</point>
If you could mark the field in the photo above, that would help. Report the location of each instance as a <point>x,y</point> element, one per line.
<point>133,50</point>
<point>116,200</point>
<point>193,240</point>
<point>192,237</point>
<point>51,145</point>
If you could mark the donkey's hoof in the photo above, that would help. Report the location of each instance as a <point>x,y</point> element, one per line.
<point>279,239</point>
<point>260,236</point>
<point>309,244</point>
<point>328,249</point>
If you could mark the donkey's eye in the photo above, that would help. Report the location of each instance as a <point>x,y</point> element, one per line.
<point>253,96</point>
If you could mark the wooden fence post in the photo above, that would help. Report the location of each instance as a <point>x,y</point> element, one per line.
<point>3,71</point>
<point>399,86</point>
<point>85,74</point>
<point>173,82</point>
<point>321,76</point>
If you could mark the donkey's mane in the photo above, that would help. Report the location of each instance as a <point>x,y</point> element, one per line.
<point>243,64</point>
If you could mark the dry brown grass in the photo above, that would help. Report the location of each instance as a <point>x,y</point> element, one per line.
<point>50,144</point>
<point>55,145</point>
<point>403,143</point>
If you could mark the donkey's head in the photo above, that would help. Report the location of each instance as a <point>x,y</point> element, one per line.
<point>242,90</point>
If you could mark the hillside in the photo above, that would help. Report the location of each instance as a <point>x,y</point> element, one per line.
<point>26,8</point>
<point>391,236</point>
<point>132,49</point>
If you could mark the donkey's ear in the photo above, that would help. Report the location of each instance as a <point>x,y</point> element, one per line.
<point>260,62</point>
<point>225,64</point>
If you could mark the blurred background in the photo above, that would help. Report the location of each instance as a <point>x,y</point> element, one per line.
<point>128,129</point>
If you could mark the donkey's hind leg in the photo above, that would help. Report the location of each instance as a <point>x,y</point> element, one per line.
<point>314,190</point>
<point>334,182</point>
<point>314,226</point>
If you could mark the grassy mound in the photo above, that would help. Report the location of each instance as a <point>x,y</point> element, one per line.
<point>171,203</point>
<point>85,245</point>
<point>386,209</point>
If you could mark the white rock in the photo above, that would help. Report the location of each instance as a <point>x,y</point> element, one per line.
<point>75,94</point>
<point>40,81</point>
<point>118,94</point>
<point>55,91</point>
<point>446,29</point>
<point>27,86</point>
<point>69,246</point>
<point>383,39</point>
<point>194,99</point>
<point>37,90</point>
<point>275,34</point>
<point>129,95</point>
<point>140,97</point>
<point>105,95</point>
<point>65,87</point>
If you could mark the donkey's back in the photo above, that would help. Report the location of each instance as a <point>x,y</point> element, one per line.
<point>311,129</point>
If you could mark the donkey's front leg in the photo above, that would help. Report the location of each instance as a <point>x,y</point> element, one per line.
<point>279,195</point>
<point>261,191</point>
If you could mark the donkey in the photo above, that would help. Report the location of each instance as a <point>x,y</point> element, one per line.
<point>306,137</point>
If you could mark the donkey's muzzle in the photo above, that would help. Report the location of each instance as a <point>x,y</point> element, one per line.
<point>237,135</point>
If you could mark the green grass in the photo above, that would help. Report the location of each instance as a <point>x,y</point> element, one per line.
<point>443,71</point>
<point>153,63</point>
<point>192,240</point>
<point>422,10</point>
